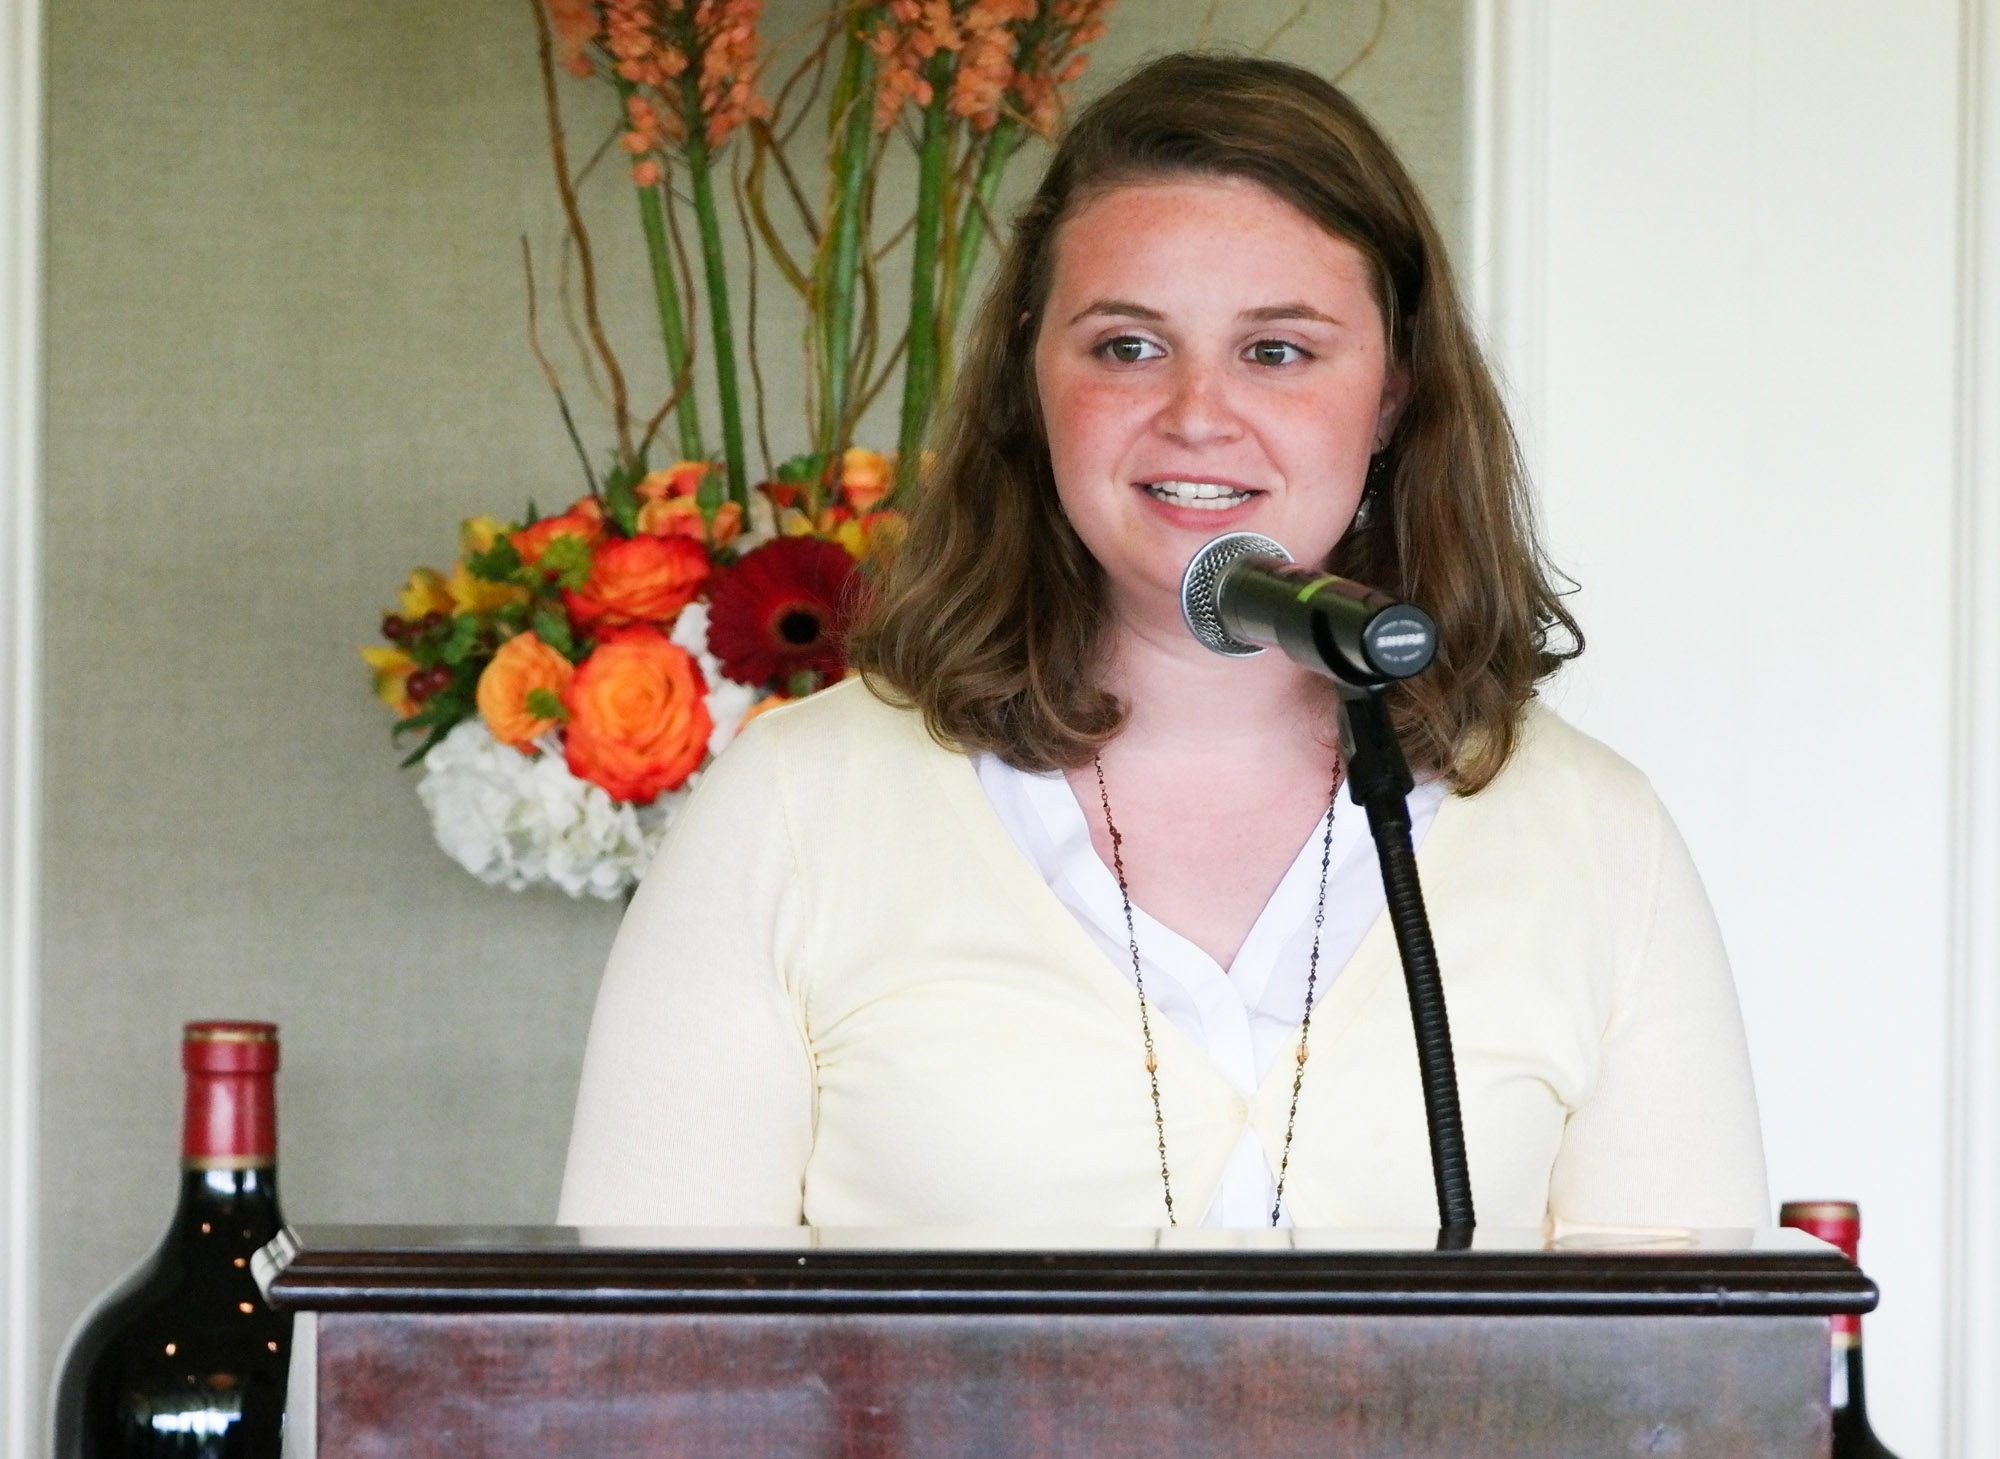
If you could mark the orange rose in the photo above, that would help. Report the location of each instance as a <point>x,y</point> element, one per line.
<point>865,478</point>
<point>638,715</point>
<point>683,478</point>
<point>584,521</point>
<point>640,580</point>
<point>523,665</point>
<point>680,516</point>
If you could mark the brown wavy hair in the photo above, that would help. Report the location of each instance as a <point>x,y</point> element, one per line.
<point>990,618</point>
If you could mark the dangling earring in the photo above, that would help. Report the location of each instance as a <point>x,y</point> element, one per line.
<point>1377,482</point>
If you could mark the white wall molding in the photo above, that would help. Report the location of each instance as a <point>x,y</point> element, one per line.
<point>1972,1270</point>
<point>20,712</point>
<point>1723,302</point>
<point>1507,202</point>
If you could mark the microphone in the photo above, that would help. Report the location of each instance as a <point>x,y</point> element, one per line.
<point>1242,593</point>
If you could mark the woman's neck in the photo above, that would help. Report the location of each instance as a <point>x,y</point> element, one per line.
<point>1222,770</point>
<point>1185,703</point>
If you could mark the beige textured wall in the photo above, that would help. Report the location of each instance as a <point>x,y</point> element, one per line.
<point>285,357</point>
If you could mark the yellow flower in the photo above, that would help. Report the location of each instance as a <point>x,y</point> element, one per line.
<point>392,668</point>
<point>425,593</point>
<point>478,534</point>
<point>853,536</point>
<point>475,595</point>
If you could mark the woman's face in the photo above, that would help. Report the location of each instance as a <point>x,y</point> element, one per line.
<point>1209,360</point>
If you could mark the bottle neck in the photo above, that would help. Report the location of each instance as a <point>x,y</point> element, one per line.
<point>229,1141</point>
<point>228,1211</point>
<point>230,1120</point>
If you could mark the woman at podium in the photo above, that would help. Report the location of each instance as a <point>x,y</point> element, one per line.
<point>1022,925</point>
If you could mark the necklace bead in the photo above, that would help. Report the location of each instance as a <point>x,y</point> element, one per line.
<point>1139,981</point>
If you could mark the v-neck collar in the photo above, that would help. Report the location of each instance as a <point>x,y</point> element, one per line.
<point>1016,877</point>
<point>1068,826</point>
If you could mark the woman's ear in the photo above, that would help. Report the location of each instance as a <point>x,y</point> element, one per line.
<point>1397,386</point>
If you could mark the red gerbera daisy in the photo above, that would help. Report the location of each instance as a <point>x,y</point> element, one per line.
<point>783,610</point>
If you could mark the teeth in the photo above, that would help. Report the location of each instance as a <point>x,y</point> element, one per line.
<point>1203,495</point>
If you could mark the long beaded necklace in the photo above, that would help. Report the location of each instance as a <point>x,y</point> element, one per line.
<point>1145,1018</point>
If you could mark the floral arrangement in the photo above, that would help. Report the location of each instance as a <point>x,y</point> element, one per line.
<point>573,674</point>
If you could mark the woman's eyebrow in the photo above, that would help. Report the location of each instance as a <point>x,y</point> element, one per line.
<point>1119,308</point>
<point>1264,314</point>
<point>1270,312</point>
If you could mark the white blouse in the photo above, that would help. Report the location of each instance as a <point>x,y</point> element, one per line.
<point>1243,1017</point>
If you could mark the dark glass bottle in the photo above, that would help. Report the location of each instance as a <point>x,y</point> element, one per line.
<point>1839,1223</point>
<point>183,1360</point>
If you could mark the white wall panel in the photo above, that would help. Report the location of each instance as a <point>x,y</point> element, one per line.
<point>1745,426</point>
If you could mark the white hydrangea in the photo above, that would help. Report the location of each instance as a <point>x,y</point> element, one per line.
<point>518,820</point>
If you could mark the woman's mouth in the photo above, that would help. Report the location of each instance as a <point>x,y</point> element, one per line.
<point>1207,496</point>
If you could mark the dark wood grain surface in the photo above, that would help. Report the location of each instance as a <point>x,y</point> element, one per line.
<point>442,1269</point>
<point>678,1385</point>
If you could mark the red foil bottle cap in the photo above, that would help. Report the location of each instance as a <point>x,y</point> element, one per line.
<point>1838,1223</point>
<point>230,1121</point>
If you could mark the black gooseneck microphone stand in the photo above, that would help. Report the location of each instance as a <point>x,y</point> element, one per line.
<point>1242,594</point>
<point>1379,780</point>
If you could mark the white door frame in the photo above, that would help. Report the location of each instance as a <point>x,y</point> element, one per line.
<point>20,712</point>
<point>1972,1267</point>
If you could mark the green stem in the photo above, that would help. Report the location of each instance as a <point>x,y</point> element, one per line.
<point>673,330</point>
<point>716,275</point>
<point>920,364</point>
<point>673,326</point>
<point>1006,136</point>
<point>841,255</point>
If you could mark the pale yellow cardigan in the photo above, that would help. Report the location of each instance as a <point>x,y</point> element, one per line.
<point>842,996</point>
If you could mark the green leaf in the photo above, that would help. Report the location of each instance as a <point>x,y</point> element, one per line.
<point>621,496</point>
<point>809,474</point>
<point>551,626</point>
<point>801,470</point>
<point>440,715</point>
<point>464,637</point>
<point>543,704</point>
<point>499,563</point>
<point>566,560</point>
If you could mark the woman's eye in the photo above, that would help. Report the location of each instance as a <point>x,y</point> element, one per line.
<point>1275,352</point>
<point>1129,349</point>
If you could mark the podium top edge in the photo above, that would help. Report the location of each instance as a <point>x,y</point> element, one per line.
<point>1103,1270</point>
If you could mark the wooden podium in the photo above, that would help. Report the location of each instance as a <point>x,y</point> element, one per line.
<point>1168,1345</point>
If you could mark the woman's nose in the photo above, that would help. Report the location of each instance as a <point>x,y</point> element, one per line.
<point>1198,408</point>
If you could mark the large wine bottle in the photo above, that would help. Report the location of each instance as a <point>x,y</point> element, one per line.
<point>183,1360</point>
<point>1839,1223</point>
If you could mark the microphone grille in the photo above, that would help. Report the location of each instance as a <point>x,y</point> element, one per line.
<point>1201,588</point>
